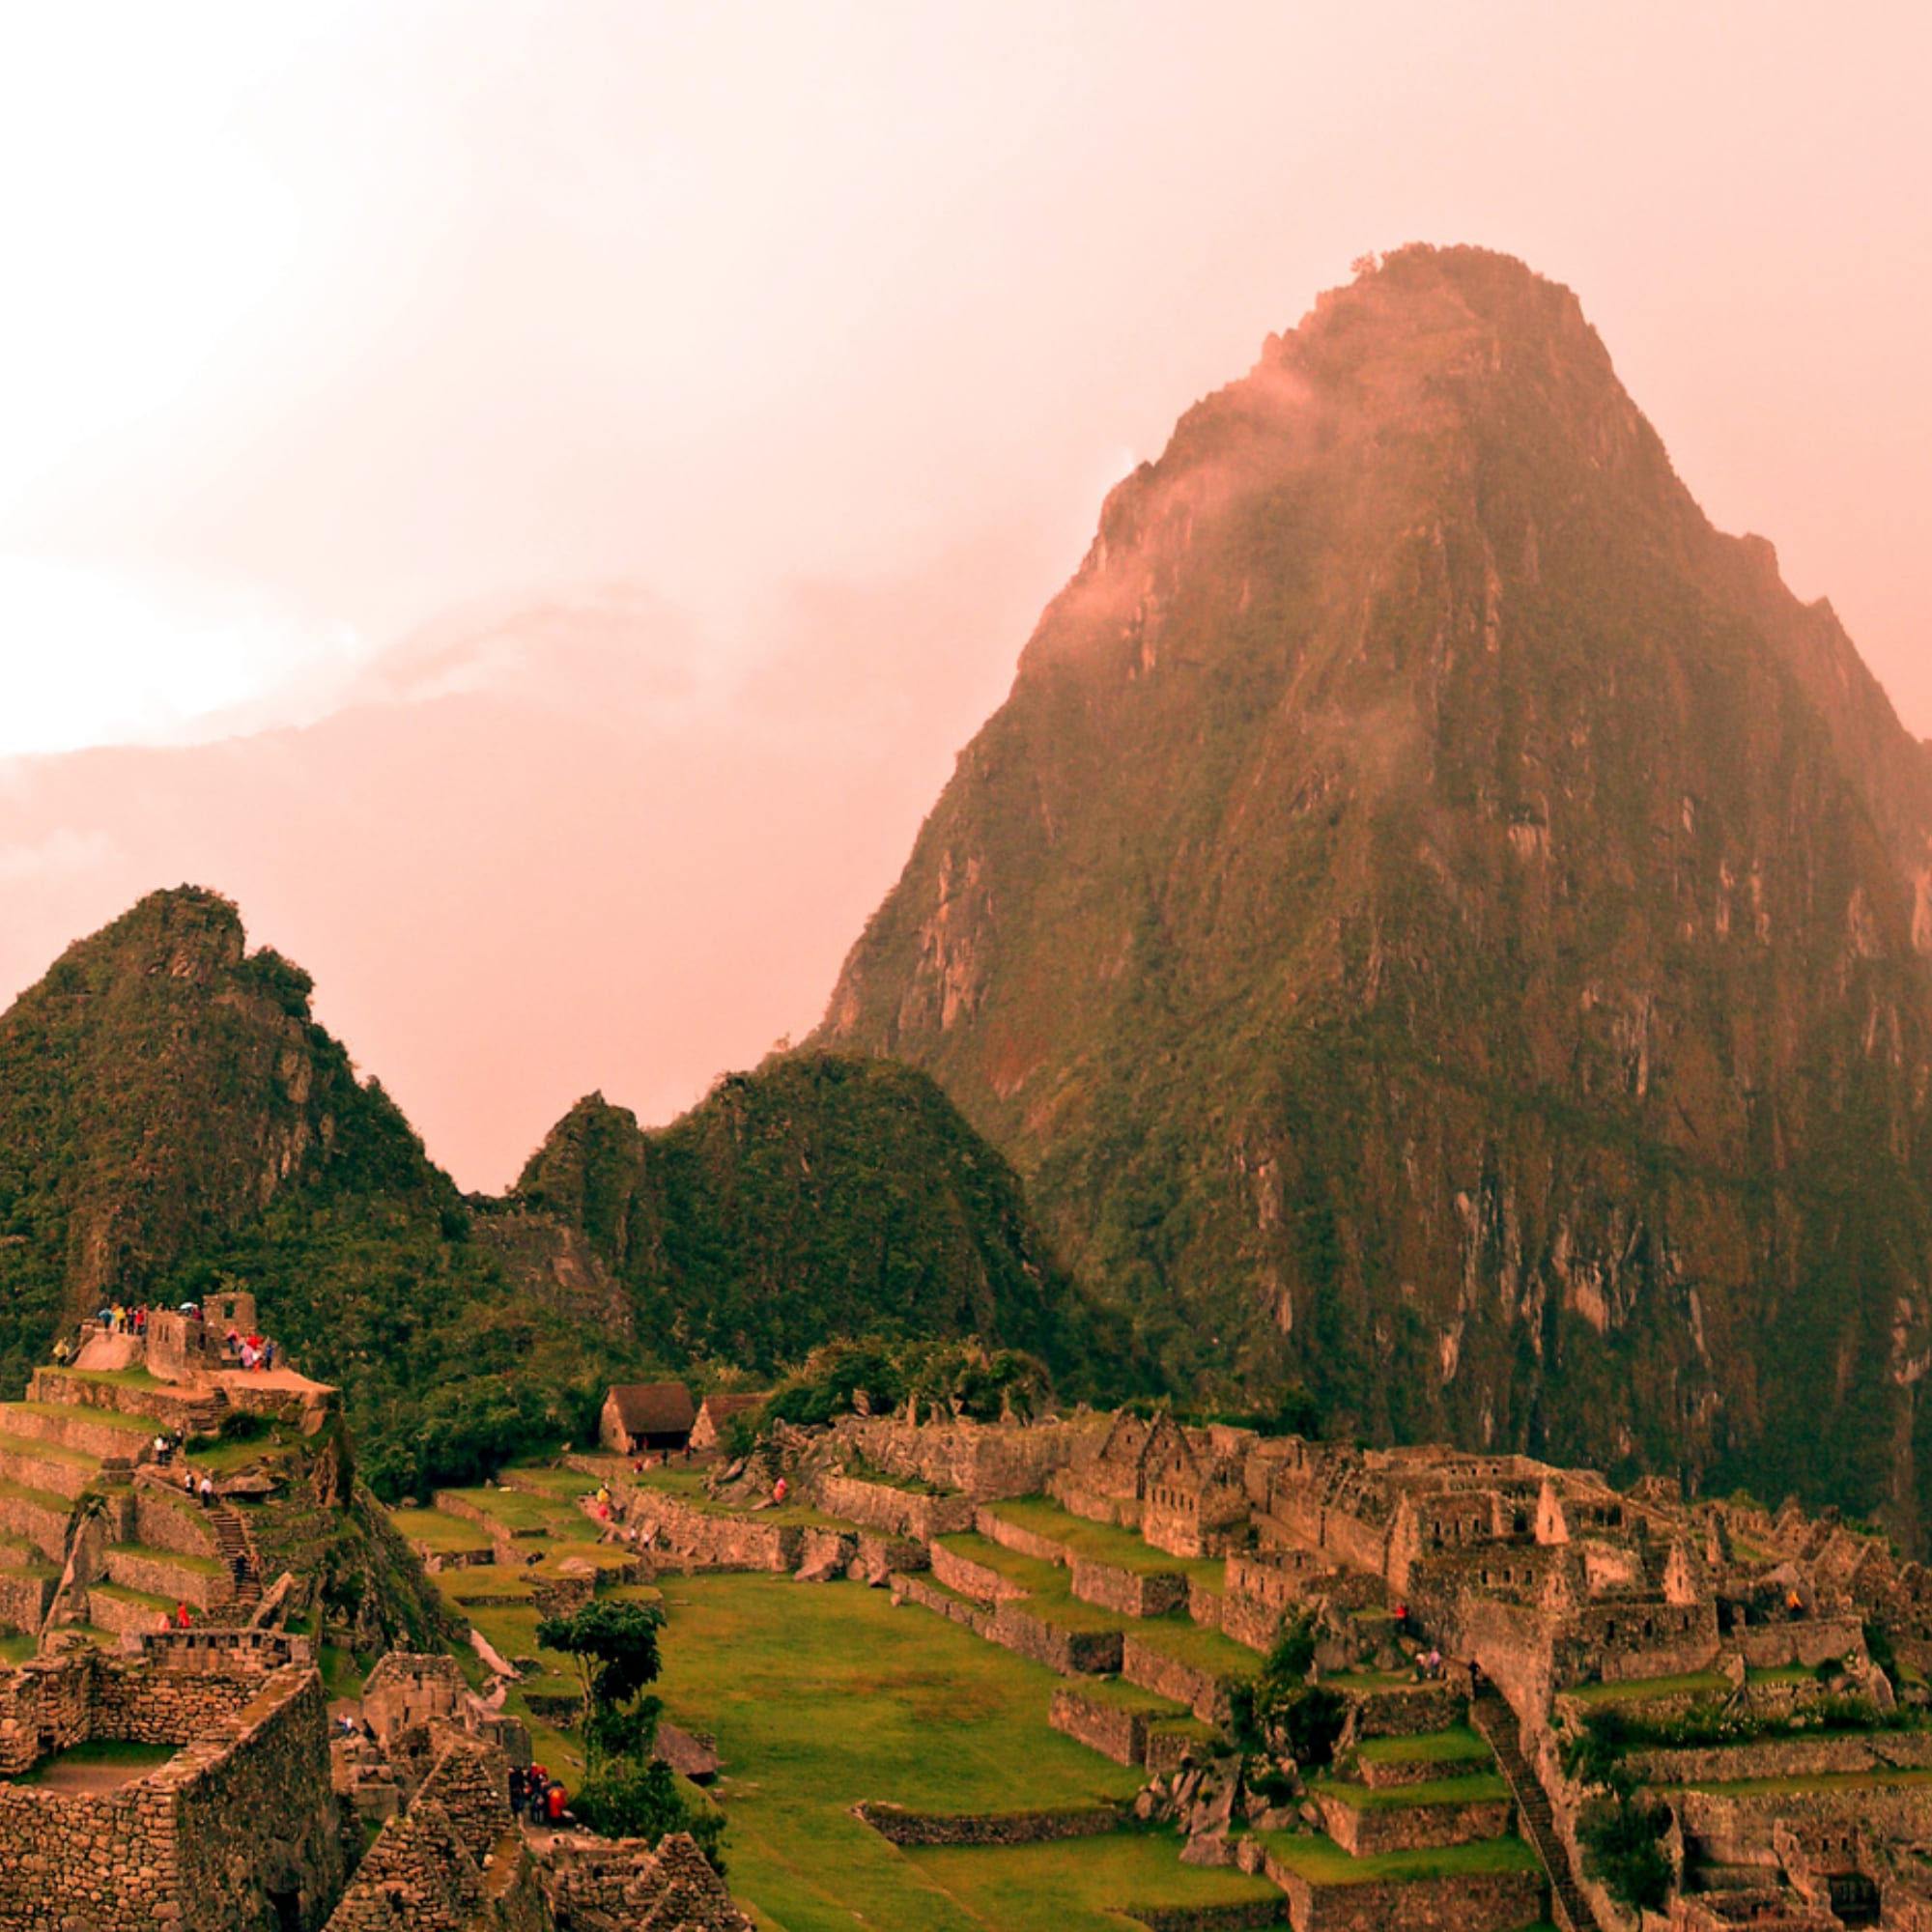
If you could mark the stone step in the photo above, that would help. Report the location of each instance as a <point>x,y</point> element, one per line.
<point>93,1431</point>
<point>1496,1722</point>
<point>47,1465</point>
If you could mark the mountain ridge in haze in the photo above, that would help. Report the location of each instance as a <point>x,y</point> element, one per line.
<point>174,1119</point>
<point>1436,919</point>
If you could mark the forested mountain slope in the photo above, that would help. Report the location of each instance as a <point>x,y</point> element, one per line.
<point>1436,918</point>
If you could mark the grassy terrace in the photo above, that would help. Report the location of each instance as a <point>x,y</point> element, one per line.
<point>1431,1747</point>
<point>825,1696</point>
<point>1082,1883</point>
<point>203,1566</point>
<point>516,1510</point>
<point>128,1379</point>
<point>1824,1781</point>
<point>1322,1861</point>
<point>1050,1597</point>
<point>48,1452</point>
<point>1106,1543</point>
<point>1695,1683</point>
<point>44,1500</point>
<point>1480,1788</point>
<point>136,1428</point>
<point>17,1649</point>
<point>117,1753</point>
<point>688,1487</point>
<point>436,1531</point>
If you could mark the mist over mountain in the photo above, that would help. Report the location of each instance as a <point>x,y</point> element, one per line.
<point>1436,918</point>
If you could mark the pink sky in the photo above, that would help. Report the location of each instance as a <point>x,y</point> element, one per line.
<point>819,333</point>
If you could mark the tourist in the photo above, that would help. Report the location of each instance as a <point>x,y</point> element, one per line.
<point>779,1491</point>
<point>187,1480</point>
<point>182,1618</point>
<point>248,1355</point>
<point>516,1793</point>
<point>267,1357</point>
<point>161,1450</point>
<point>206,1493</point>
<point>553,1795</point>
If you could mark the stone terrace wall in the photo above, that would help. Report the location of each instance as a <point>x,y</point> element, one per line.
<point>418,1874</point>
<point>1807,1640</point>
<point>1737,1830</point>
<point>972,1580</point>
<point>470,1782</point>
<point>623,1882</point>
<point>165,1706</point>
<point>1151,1670</point>
<point>1115,1733</point>
<point>1071,1652</point>
<point>255,1811</point>
<point>709,1542</point>
<point>1784,1757</point>
<point>1128,1592</point>
<point>1494,1902</point>
<point>183,1408</point>
<point>206,1843</point>
<point>164,1519</point>
<point>893,1512</point>
<point>983,1460</point>
<point>899,1827</point>
<point>40,1523</point>
<point>1408,1713</point>
<point>1369,1831</point>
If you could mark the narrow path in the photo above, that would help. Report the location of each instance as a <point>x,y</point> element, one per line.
<point>1495,1720</point>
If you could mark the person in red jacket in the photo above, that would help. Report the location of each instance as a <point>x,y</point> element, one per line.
<point>553,1803</point>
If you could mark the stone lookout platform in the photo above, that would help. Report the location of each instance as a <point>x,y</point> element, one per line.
<point>103,1523</point>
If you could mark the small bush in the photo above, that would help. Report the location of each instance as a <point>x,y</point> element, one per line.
<point>1623,1850</point>
<point>243,1425</point>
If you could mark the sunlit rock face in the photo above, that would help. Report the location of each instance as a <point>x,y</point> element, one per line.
<point>1438,920</point>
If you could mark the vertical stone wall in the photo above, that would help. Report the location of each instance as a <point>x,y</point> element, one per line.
<point>255,1822</point>
<point>238,1823</point>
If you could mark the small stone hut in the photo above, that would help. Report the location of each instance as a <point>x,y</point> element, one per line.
<point>715,1413</point>
<point>646,1416</point>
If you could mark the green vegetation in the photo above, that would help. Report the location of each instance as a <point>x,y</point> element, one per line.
<point>816,1199</point>
<point>822,1699</point>
<point>1292,930</point>
<point>962,1376</point>
<point>1106,1543</point>
<point>1479,1788</point>
<point>820,1197</point>
<point>1322,1861</point>
<point>628,1794</point>
<point>1457,1743</point>
<point>1082,1884</point>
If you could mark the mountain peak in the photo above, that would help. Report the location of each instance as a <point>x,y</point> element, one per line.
<point>1432,909</point>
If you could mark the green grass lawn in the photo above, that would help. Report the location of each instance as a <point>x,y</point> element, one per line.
<point>1372,1680</point>
<point>1106,1543</point>
<point>1083,1885</point>
<point>1824,1781</point>
<point>132,1379</point>
<point>1696,1683</point>
<point>824,1695</point>
<point>1479,1788</point>
<point>516,1510</point>
<point>1322,1861</point>
<point>135,1427</point>
<point>17,1649</point>
<point>434,1530</point>
<point>1431,1747</point>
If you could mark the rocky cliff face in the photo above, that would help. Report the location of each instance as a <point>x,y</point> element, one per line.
<point>1436,918</point>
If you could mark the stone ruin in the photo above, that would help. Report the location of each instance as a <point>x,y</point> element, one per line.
<point>1551,1582</point>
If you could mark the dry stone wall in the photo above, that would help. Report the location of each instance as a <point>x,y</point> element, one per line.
<point>899,1827</point>
<point>1128,1593</point>
<point>893,1512</point>
<point>1366,1831</point>
<point>1470,1902</point>
<point>236,1830</point>
<point>1115,1733</point>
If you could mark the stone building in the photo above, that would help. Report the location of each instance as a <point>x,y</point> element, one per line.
<point>236,1830</point>
<point>645,1415</point>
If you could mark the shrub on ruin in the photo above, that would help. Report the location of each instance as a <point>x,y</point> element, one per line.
<point>1623,1849</point>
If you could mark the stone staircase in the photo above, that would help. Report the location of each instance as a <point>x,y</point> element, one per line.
<point>1496,1722</point>
<point>236,1549</point>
